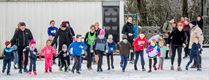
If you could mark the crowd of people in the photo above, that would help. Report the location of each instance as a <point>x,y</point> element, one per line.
<point>65,46</point>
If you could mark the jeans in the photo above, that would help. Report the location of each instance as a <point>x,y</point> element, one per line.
<point>32,65</point>
<point>196,59</point>
<point>7,63</point>
<point>110,57</point>
<point>141,53</point>
<point>124,61</point>
<point>77,63</point>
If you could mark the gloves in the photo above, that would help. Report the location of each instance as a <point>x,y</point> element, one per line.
<point>158,54</point>
<point>106,51</point>
<point>92,51</point>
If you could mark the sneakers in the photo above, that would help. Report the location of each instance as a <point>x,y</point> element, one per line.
<point>135,67</point>
<point>113,67</point>
<point>78,72</point>
<point>50,70</point>
<point>172,68</point>
<point>155,68</point>
<point>187,68</point>
<point>184,57</point>
<point>29,73</point>
<point>179,69</point>
<point>150,71</point>
<point>25,70</point>
<point>193,66</point>
<point>199,69</point>
<point>143,69</point>
<point>108,68</point>
<point>3,71</point>
<point>35,73</point>
<point>8,74</point>
<point>20,71</point>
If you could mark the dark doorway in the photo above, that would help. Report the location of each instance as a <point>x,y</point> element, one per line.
<point>111,21</point>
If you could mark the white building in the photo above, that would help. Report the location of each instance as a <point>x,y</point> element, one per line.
<point>80,13</point>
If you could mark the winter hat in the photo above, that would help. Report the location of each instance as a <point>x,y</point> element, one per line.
<point>102,32</point>
<point>124,36</point>
<point>32,42</point>
<point>7,43</point>
<point>64,46</point>
<point>63,24</point>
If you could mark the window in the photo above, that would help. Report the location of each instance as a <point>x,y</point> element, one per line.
<point>208,11</point>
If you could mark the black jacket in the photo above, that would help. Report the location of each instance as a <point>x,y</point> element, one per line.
<point>65,37</point>
<point>128,28</point>
<point>177,38</point>
<point>22,38</point>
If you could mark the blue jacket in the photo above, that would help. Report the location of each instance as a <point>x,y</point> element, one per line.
<point>111,47</point>
<point>135,31</point>
<point>77,47</point>
<point>195,49</point>
<point>8,54</point>
<point>52,31</point>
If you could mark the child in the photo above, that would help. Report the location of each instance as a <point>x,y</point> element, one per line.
<point>153,51</point>
<point>163,50</point>
<point>78,48</point>
<point>124,49</point>
<point>32,52</point>
<point>48,51</point>
<point>139,44</point>
<point>8,57</point>
<point>64,57</point>
<point>100,45</point>
<point>194,54</point>
<point>111,47</point>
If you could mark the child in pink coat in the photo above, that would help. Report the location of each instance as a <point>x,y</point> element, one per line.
<point>48,52</point>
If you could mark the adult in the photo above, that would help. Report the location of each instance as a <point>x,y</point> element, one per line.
<point>200,22</point>
<point>21,38</point>
<point>52,30</point>
<point>128,30</point>
<point>186,29</point>
<point>166,30</point>
<point>196,33</point>
<point>89,39</point>
<point>70,28</point>
<point>64,36</point>
<point>177,40</point>
<point>97,28</point>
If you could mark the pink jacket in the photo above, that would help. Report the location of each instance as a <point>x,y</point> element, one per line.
<point>48,52</point>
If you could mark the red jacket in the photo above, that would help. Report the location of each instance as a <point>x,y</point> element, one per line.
<point>139,44</point>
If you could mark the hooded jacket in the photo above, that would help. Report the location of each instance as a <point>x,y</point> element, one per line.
<point>48,52</point>
<point>139,47</point>
<point>196,32</point>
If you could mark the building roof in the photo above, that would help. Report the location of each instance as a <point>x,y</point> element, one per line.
<point>56,0</point>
